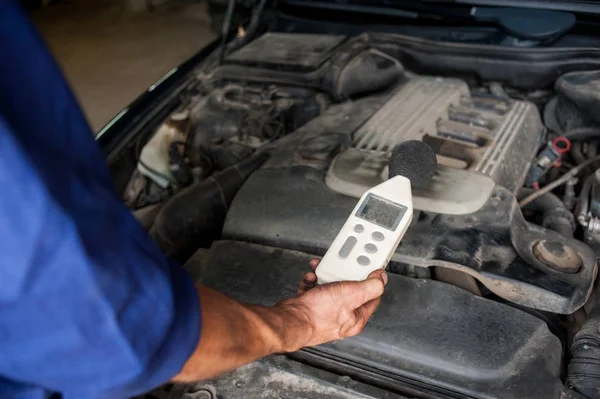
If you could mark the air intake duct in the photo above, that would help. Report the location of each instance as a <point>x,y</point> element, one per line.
<point>194,217</point>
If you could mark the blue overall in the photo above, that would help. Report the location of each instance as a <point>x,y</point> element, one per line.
<point>89,306</point>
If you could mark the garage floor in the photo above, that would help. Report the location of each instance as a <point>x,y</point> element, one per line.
<point>111,55</point>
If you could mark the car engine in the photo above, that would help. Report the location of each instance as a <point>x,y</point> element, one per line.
<point>256,170</point>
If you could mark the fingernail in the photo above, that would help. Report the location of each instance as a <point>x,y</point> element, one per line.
<point>384,277</point>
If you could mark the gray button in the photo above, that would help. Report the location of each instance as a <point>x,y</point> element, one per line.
<point>359,228</point>
<point>370,248</point>
<point>363,260</point>
<point>378,236</point>
<point>347,247</point>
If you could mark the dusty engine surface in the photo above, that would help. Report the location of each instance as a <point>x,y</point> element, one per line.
<point>289,130</point>
<point>283,137</point>
<point>481,140</point>
<point>468,221</point>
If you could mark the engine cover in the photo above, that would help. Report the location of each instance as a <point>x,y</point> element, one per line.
<point>473,223</point>
<point>426,336</point>
<point>480,140</point>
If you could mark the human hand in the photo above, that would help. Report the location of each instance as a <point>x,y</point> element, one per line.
<point>234,333</point>
<point>331,311</point>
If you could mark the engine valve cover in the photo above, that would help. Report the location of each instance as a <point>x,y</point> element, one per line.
<point>480,141</point>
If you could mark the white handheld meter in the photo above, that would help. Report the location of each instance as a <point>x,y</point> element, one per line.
<point>371,234</point>
<point>375,227</point>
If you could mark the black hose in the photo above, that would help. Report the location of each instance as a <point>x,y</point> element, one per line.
<point>255,20</point>
<point>225,29</point>
<point>583,206</point>
<point>194,217</point>
<point>583,374</point>
<point>577,153</point>
<point>592,149</point>
<point>582,133</point>
<point>549,116</point>
<point>555,215</point>
<point>579,157</point>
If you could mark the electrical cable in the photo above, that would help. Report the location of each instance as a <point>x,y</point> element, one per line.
<point>560,181</point>
<point>584,200</point>
<point>225,29</point>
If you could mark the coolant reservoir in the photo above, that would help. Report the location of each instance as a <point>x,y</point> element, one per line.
<point>154,158</point>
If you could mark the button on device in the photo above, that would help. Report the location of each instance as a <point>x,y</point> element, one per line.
<point>378,236</point>
<point>347,247</point>
<point>359,228</point>
<point>370,248</point>
<point>363,260</point>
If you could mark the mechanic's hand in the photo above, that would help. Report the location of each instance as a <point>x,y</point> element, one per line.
<point>332,311</point>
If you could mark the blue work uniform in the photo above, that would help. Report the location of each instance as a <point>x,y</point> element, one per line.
<point>89,306</point>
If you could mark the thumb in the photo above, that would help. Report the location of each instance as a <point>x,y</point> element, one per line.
<point>361,292</point>
<point>381,274</point>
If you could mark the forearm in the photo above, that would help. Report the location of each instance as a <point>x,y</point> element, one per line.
<point>234,334</point>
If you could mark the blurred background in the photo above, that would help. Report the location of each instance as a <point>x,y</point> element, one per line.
<point>113,50</point>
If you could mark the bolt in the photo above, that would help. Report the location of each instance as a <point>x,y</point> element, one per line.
<point>557,256</point>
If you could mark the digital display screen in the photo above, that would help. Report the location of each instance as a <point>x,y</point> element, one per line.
<point>381,212</point>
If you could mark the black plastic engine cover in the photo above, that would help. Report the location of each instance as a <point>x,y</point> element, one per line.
<point>426,336</point>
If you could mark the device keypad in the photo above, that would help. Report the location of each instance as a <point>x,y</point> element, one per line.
<point>363,260</point>
<point>347,247</point>
<point>377,236</point>
<point>370,248</point>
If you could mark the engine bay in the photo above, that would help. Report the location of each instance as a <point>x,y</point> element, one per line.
<point>257,168</point>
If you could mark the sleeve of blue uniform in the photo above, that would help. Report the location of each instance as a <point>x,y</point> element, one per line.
<point>88,305</point>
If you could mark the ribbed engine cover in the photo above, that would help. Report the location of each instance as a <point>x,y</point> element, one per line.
<point>481,140</point>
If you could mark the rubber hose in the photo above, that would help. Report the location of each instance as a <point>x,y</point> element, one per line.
<point>583,206</point>
<point>582,133</point>
<point>579,158</point>
<point>194,217</point>
<point>592,149</point>
<point>549,116</point>
<point>577,153</point>
<point>583,374</point>
<point>555,215</point>
<point>225,28</point>
<point>255,20</point>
